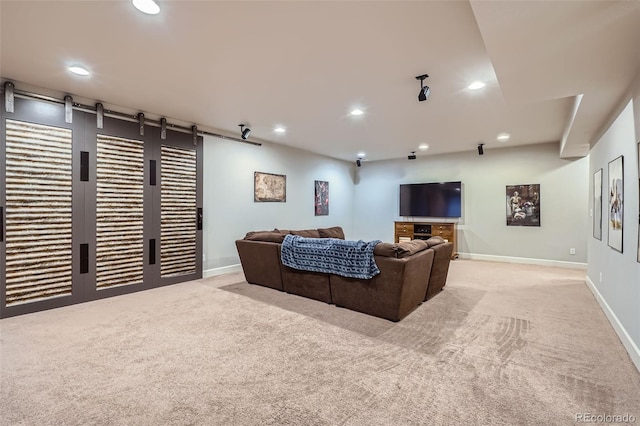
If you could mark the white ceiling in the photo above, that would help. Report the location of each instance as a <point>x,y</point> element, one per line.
<point>305,65</point>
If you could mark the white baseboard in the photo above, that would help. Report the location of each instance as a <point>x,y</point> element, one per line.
<point>526,260</point>
<point>626,340</point>
<point>222,270</point>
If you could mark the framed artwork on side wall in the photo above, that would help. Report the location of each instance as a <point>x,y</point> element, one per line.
<point>268,187</point>
<point>616,203</point>
<point>523,205</point>
<point>597,205</point>
<point>321,202</point>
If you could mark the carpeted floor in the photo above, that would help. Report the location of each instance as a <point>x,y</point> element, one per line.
<point>503,344</point>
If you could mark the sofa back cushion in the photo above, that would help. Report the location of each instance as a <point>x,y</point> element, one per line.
<point>400,250</point>
<point>334,232</point>
<point>268,236</point>
<point>409,248</point>
<point>250,233</point>
<point>435,240</point>
<point>307,233</point>
<point>385,249</point>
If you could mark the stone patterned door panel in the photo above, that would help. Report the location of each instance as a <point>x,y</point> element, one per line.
<point>178,216</point>
<point>38,212</point>
<point>119,211</point>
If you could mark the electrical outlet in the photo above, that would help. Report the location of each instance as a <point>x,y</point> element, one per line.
<point>572,251</point>
<point>600,276</point>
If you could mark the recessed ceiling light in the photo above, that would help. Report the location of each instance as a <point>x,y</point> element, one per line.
<point>503,137</point>
<point>423,147</point>
<point>77,70</point>
<point>476,85</point>
<point>361,155</point>
<point>279,129</point>
<point>357,111</point>
<point>149,7</point>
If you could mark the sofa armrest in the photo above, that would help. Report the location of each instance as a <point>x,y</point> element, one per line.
<point>260,262</point>
<point>440,269</point>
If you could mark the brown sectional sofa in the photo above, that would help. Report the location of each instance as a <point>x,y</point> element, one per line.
<point>410,273</point>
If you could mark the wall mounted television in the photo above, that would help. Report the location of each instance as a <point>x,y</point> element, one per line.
<point>438,199</point>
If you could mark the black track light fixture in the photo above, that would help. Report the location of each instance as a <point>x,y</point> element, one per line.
<point>244,132</point>
<point>480,149</point>
<point>424,90</point>
<point>412,156</point>
<point>359,162</point>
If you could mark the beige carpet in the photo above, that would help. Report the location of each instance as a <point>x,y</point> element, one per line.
<point>503,344</point>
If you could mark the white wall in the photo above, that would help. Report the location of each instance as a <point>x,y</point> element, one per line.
<point>364,201</point>
<point>618,291</point>
<point>229,209</point>
<point>482,229</point>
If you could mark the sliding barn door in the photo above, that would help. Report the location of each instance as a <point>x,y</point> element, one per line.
<point>180,217</point>
<point>36,210</point>
<point>88,212</point>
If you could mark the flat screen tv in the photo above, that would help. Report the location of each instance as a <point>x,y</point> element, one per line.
<point>441,199</point>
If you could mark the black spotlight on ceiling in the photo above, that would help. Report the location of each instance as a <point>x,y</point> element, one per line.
<point>359,162</point>
<point>244,132</point>
<point>412,156</point>
<point>480,149</point>
<point>424,90</point>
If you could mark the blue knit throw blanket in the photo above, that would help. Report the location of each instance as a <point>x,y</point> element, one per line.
<point>352,259</point>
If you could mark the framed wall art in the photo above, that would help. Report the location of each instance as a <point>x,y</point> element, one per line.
<point>523,205</point>
<point>321,200</point>
<point>597,205</point>
<point>616,203</point>
<point>268,187</point>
